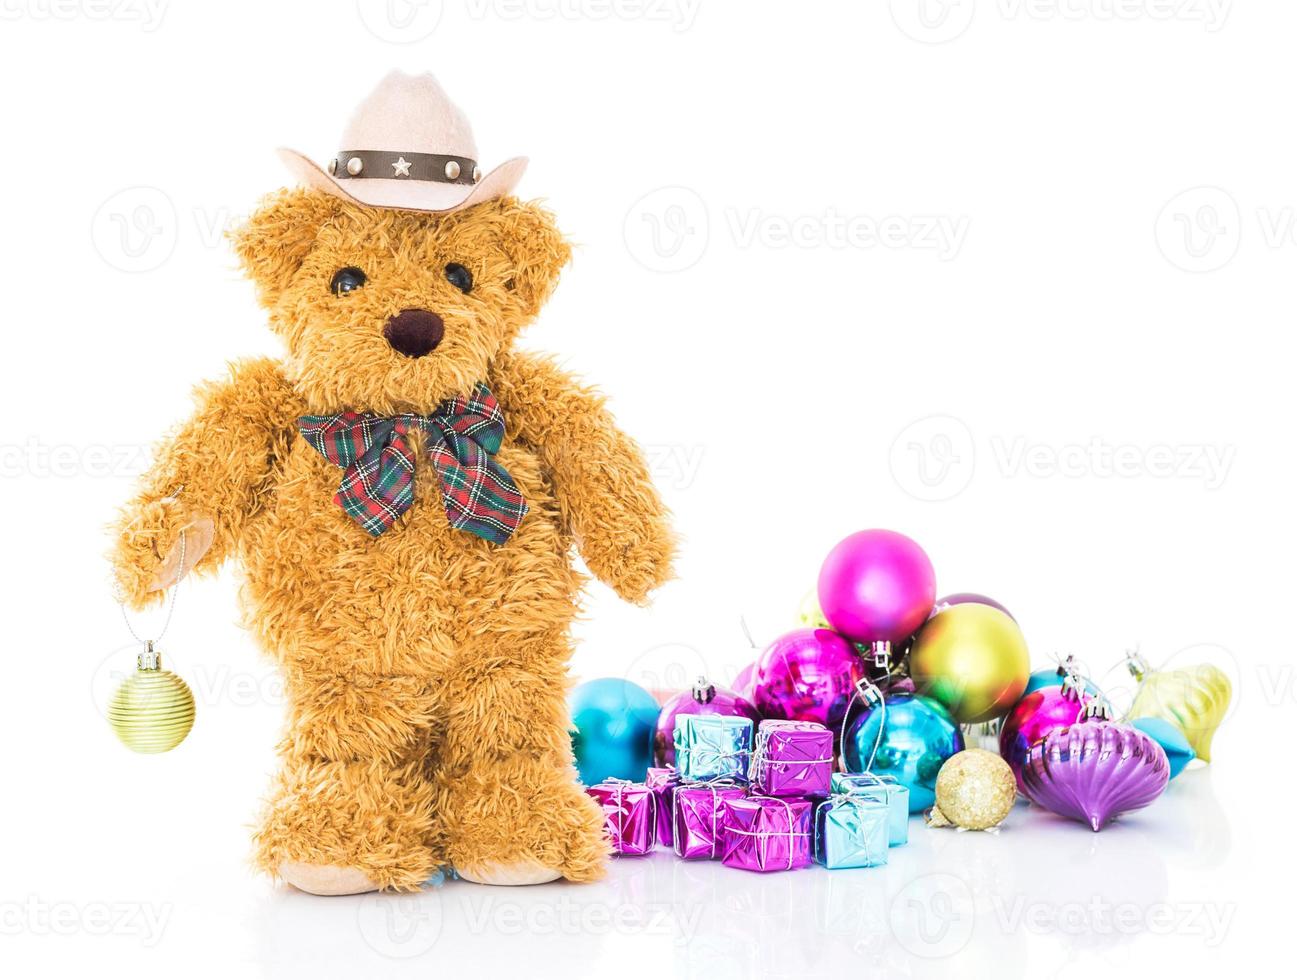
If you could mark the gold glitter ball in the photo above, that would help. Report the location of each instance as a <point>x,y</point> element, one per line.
<point>975,791</point>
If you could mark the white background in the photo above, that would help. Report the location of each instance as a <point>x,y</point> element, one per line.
<point>1011,277</point>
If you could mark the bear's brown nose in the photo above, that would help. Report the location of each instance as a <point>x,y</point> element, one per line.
<point>414,332</point>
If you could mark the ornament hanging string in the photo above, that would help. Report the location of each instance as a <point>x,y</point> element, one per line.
<point>171,602</point>
<point>865,691</point>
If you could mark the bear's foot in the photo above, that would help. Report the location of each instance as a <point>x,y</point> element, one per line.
<point>339,828</point>
<point>520,820</point>
<point>518,873</point>
<point>325,879</point>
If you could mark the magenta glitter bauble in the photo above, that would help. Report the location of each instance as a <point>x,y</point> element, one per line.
<point>742,685</point>
<point>703,699</point>
<point>1034,716</point>
<point>877,587</point>
<point>1094,771</point>
<point>807,675</point>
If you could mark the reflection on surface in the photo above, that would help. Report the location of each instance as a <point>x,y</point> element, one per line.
<point>1040,897</point>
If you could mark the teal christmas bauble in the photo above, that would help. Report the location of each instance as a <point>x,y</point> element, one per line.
<point>1178,750</point>
<point>1050,677</point>
<point>613,723</point>
<point>918,735</point>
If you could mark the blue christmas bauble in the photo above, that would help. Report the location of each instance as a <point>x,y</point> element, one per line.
<point>1178,750</point>
<point>1050,677</point>
<point>613,722</point>
<point>918,735</point>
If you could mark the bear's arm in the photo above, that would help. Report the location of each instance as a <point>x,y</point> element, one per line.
<point>602,483</point>
<point>224,458</point>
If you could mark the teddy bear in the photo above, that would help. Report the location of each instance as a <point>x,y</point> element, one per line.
<point>404,491</point>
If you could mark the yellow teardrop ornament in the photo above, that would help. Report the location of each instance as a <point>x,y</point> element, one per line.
<point>1194,699</point>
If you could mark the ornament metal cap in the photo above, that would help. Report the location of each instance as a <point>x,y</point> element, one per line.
<point>704,691</point>
<point>149,658</point>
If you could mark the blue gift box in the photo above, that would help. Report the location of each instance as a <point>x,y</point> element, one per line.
<point>882,789</point>
<point>712,747</point>
<point>851,832</point>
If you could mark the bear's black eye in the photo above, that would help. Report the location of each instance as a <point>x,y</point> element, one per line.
<point>459,277</point>
<point>346,280</point>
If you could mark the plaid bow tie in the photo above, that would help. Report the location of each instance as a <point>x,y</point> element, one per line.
<point>378,455</point>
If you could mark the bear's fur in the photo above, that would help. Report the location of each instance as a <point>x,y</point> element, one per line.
<point>426,668</point>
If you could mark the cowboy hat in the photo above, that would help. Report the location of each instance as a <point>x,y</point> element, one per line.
<point>407,146</point>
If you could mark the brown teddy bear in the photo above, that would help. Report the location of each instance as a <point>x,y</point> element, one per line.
<point>404,491</point>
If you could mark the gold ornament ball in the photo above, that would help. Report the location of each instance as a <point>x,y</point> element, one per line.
<point>809,614</point>
<point>973,659</point>
<point>975,791</point>
<point>153,710</point>
<point>1194,699</point>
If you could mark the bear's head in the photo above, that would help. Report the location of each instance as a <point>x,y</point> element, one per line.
<point>391,311</point>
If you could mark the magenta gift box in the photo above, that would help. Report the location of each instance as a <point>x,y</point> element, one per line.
<point>663,782</point>
<point>629,815</point>
<point>700,818</point>
<point>792,758</point>
<point>766,833</point>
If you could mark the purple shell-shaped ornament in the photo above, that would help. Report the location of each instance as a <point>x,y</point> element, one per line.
<point>1094,771</point>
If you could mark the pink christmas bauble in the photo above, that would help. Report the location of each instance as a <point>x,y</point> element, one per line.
<point>877,587</point>
<point>703,699</point>
<point>807,675</point>
<point>1040,713</point>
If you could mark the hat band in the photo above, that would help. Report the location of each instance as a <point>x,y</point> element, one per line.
<point>438,167</point>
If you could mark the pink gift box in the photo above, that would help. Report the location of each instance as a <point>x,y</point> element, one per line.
<point>699,818</point>
<point>663,782</point>
<point>766,833</point>
<point>792,758</point>
<point>629,815</point>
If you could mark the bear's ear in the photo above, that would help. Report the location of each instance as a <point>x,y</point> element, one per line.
<point>277,237</point>
<point>535,249</point>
